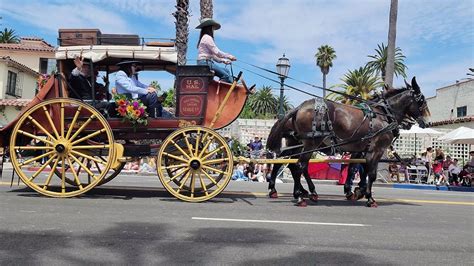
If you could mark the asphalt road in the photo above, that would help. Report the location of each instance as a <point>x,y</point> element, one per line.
<point>133,221</point>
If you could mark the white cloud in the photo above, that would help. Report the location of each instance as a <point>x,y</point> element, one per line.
<point>52,16</point>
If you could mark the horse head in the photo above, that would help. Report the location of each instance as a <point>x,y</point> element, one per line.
<point>418,109</point>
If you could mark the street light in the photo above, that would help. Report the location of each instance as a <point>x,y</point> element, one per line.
<point>283,67</point>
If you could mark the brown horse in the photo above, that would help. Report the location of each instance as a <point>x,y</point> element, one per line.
<point>348,128</point>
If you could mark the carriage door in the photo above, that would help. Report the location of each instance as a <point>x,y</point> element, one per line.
<point>191,93</point>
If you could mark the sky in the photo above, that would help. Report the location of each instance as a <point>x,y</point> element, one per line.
<point>436,36</point>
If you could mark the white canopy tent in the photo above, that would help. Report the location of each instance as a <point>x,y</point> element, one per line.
<point>461,135</point>
<point>97,53</point>
<point>417,131</point>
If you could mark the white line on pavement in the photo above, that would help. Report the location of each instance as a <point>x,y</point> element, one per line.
<point>275,222</point>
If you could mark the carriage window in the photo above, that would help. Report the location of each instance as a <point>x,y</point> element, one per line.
<point>47,65</point>
<point>462,111</point>
<point>11,84</point>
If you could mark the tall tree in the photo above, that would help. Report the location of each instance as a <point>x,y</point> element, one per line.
<point>207,9</point>
<point>379,62</point>
<point>182,29</point>
<point>360,83</point>
<point>8,36</point>
<point>264,102</point>
<point>324,57</point>
<point>392,36</point>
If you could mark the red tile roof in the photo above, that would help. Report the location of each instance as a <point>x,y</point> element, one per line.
<point>453,121</point>
<point>29,44</point>
<point>14,102</point>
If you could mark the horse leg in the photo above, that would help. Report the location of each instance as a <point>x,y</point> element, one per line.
<point>361,190</point>
<point>303,163</point>
<point>271,184</point>
<point>314,195</point>
<point>372,176</point>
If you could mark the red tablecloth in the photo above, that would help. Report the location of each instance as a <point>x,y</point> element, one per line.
<point>328,171</point>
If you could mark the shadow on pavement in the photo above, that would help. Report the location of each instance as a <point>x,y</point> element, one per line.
<point>163,244</point>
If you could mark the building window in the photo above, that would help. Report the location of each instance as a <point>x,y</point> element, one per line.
<point>11,84</point>
<point>47,65</point>
<point>462,111</point>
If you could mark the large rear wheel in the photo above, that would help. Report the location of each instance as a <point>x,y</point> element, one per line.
<point>194,164</point>
<point>58,134</point>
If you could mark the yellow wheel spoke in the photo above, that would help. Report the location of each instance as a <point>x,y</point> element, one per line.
<point>63,175</point>
<point>36,158</point>
<point>42,167</point>
<point>87,147</point>
<point>203,185</point>
<point>184,181</point>
<point>179,173</point>
<point>48,116</point>
<point>210,178</point>
<point>216,161</point>
<point>73,123</point>
<point>213,169</point>
<point>192,184</point>
<point>80,154</point>
<point>61,122</point>
<point>190,148</point>
<point>197,141</point>
<point>175,157</point>
<point>206,146</point>
<point>89,136</point>
<point>181,150</point>
<point>82,127</point>
<point>35,137</point>
<point>40,127</point>
<point>175,166</point>
<point>48,180</point>
<point>212,153</point>
<point>84,167</point>
<point>33,148</point>
<point>76,177</point>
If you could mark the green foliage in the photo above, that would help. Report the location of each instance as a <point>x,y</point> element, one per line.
<point>170,99</point>
<point>8,36</point>
<point>237,148</point>
<point>360,83</point>
<point>264,105</point>
<point>377,65</point>
<point>324,57</point>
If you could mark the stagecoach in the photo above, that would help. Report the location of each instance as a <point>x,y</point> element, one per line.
<point>60,146</point>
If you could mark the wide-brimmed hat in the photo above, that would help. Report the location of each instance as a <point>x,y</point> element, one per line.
<point>205,22</point>
<point>128,62</point>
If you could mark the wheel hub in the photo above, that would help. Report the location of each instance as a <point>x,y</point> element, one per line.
<point>195,164</point>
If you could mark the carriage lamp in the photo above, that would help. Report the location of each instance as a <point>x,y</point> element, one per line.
<point>283,67</point>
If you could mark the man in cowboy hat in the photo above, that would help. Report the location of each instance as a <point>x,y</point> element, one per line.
<point>208,51</point>
<point>126,82</point>
<point>81,82</point>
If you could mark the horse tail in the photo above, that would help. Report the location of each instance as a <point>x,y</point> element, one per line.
<point>277,131</point>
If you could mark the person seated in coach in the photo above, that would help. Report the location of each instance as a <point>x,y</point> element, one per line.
<point>80,81</point>
<point>126,82</point>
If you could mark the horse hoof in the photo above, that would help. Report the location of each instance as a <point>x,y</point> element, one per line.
<point>302,203</point>
<point>273,195</point>
<point>372,204</point>
<point>350,196</point>
<point>314,197</point>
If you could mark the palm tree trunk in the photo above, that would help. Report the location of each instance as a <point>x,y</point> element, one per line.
<point>182,29</point>
<point>392,35</point>
<point>206,9</point>
<point>324,85</point>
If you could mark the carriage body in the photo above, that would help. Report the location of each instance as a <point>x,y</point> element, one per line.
<point>74,135</point>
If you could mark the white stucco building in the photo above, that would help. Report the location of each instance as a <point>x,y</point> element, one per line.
<point>245,130</point>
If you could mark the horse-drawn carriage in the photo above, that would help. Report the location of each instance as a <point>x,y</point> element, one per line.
<point>76,144</point>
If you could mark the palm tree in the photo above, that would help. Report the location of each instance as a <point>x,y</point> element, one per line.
<point>182,29</point>
<point>263,103</point>
<point>206,9</point>
<point>392,36</point>
<point>360,83</point>
<point>8,36</point>
<point>324,58</point>
<point>380,61</point>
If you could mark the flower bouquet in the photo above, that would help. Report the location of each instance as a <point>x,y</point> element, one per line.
<point>132,110</point>
<point>42,79</point>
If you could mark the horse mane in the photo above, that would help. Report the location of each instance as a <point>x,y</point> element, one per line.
<point>392,92</point>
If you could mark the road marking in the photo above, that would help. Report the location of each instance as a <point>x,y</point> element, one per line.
<point>275,222</point>
<point>429,201</point>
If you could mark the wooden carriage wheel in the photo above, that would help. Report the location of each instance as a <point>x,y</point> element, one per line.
<point>57,131</point>
<point>198,171</point>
